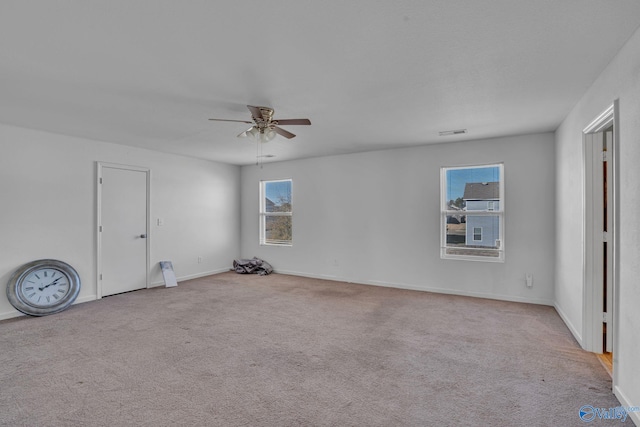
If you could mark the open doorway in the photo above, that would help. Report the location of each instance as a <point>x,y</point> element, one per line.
<point>600,270</point>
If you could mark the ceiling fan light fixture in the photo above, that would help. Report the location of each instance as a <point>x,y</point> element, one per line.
<point>259,134</point>
<point>268,135</point>
<point>254,133</point>
<point>265,127</point>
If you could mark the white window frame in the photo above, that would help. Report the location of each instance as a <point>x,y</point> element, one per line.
<point>445,211</point>
<point>264,214</point>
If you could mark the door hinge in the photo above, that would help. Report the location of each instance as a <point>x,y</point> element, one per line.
<point>605,236</point>
<point>100,228</point>
<point>100,180</point>
<point>605,156</point>
<point>606,317</point>
<point>100,276</point>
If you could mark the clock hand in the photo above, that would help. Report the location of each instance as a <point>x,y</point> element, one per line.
<point>52,283</point>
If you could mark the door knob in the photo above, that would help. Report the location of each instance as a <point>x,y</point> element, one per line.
<point>143,236</point>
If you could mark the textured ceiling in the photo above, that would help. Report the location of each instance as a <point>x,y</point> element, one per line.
<point>369,74</point>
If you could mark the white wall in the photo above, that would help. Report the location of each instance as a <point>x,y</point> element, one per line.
<point>620,80</point>
<point>48,207</point>
<point>375,218</point>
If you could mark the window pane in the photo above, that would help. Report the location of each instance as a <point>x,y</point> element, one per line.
<point>456,230</point>
<point>473,188</point>
<point>277,196</point>
<point>475,235</point>
<point>278,229</point>
<point>472,211</point>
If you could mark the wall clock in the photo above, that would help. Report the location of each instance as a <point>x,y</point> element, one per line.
<point>43,287</point>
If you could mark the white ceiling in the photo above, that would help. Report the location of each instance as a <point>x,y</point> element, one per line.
<point>369,74</point>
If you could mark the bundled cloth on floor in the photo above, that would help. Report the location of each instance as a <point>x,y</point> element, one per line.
<point>254,265</point>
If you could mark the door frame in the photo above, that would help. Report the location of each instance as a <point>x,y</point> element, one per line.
<point>99,171</point>
<point>592,292</point>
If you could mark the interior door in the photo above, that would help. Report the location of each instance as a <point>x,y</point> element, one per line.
<point>607,177</point>
<point>599,237</point>
<point>123,228</point>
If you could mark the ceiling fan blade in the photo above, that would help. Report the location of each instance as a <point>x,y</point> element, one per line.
<point>293,121</point>
<point>227,120</point>
<point>283,132</point>
<point>255,111</point>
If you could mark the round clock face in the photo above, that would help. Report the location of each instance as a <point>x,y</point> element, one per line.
<point>43,287</point>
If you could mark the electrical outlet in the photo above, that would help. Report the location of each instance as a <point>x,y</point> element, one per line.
<point>199,260</point>
<point>528,278</point>
<point>160,222</point>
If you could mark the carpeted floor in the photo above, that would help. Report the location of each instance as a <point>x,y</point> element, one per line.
<point>248,350</point>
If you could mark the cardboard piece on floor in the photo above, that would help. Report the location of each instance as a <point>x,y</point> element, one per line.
<point>168,274</point>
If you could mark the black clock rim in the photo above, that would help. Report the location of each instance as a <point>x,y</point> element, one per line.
<point>16,299</point>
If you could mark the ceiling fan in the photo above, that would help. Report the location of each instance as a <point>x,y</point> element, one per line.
<point>265,127</point>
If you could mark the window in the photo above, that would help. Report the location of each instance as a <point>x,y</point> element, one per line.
<point>472,213</point>
<point>477,234</point>
<point>275,212</point>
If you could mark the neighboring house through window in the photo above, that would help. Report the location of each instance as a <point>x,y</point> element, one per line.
<point>276,212</point>
<point>472,212</point>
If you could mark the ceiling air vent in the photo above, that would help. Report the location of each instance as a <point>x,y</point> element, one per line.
<point>452,132</point>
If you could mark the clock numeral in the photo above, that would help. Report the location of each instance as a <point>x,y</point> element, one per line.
<point>55,296</point>
<point>54,274</point>
<point>37,276</point>
<point>30,288</point>
<point>45,273</point>
<point>61,291</point>
<point>31,281</point>
<point>39,298</point>
<point>48,299</point>
<point>32,295</point>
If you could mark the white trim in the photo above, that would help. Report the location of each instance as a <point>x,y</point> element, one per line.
<point>194,276</point>
<point>263,214</point>
<point>99,168</point>
<point>11,314</point>
<point>625,402</point>
<point>89,298</point>
<point>603,121</point>
<point>16,313</point>
<point>592,295</point>
<point>398,285</point>
<point>498,213</point>
<point>574,331</point>
<point>615,243</point>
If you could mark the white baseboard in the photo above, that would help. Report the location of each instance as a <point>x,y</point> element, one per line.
<point>193,276</point>
<point>10,314</point>
<point>87,298</point>
<point>16,313</point>
<point>625,402</point>
<point>576,334</point>
<point>539,301</point>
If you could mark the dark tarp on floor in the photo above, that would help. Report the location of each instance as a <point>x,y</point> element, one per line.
<point>254,265</point>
